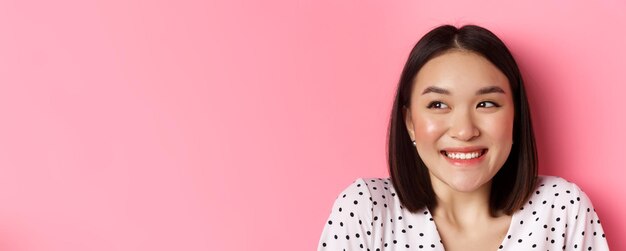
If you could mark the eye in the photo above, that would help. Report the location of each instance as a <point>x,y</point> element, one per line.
<point>437,105</point>
<point>487,104</point>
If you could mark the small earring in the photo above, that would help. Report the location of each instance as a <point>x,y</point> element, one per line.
<point>414,144</point>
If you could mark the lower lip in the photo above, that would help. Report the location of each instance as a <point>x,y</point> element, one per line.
<point>465,162</point>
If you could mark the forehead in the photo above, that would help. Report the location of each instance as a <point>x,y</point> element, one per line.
<point>460,72</point>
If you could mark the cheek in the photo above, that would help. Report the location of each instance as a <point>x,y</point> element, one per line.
<point>427,128</point>
<point>500,127</point>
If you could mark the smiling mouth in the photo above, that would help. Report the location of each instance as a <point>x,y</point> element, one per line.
<point>464,155</point>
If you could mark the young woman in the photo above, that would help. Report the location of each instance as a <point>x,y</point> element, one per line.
<point>462,162</point>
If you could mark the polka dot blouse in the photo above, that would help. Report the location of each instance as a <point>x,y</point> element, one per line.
<point>367,215</point>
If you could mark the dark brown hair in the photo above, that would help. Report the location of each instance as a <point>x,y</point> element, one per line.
<point>515,181</point>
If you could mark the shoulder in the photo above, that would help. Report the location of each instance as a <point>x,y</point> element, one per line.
<point>559,210</point>
<point>564,202</point>
<point>557,186</point>
<point>553,183</point>
<point>361,195</point>
<point>366,188</point>
<point>558,202</point>
<point>559,194</point>
<point>369,186</point>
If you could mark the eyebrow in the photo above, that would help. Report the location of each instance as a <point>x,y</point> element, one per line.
<point>490,89</point>
<point>482,91</point>
<point>435,90</point>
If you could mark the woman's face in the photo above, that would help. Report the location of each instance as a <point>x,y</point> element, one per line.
<point>461,118</point>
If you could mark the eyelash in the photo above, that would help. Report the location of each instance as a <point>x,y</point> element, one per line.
<point>432,105</point>
<point>493,103</point>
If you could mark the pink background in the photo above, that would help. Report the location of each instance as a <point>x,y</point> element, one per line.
<point>230,125</point>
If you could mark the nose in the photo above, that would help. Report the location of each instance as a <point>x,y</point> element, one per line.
<point>463,126</point>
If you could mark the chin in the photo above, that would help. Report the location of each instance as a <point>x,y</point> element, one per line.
<point>466,184</point>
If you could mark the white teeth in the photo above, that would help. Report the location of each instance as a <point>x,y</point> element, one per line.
<point>471,155</point>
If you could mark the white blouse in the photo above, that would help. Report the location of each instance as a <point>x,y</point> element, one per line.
<point>368,215</point>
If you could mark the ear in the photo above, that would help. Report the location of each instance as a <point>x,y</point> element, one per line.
<point>408,121</point>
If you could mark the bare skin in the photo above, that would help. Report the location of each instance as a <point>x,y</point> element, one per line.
<point>461,102</point>
<point>483,234</point>
<point>464,223</point>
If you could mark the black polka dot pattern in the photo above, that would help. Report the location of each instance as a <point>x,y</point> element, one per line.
<point>367,215</point>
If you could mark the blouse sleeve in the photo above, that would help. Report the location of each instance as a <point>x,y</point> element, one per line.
<point>349,224</point>
<point>585,232</point>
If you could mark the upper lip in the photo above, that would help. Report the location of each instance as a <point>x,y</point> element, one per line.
<point>465,149</point>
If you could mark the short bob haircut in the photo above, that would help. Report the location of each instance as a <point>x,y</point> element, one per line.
<point>514,183</point>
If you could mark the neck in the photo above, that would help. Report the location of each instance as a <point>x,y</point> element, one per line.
<point>462,208</point>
